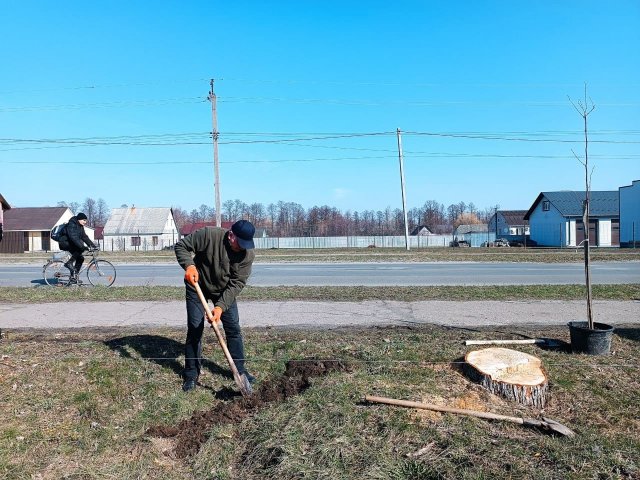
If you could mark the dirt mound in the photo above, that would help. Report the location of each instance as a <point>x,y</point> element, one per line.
<point>193,432</point>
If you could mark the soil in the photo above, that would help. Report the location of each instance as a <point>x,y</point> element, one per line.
<point>191,433</point>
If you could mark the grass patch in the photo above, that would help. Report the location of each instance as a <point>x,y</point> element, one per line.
<point>61,419</point>
<point>430,254</point>
<point>334,294</point>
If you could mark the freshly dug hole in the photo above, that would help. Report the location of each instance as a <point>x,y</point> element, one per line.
<point>191,433</point>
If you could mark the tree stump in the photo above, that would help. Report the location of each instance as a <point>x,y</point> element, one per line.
<point>513,375</point>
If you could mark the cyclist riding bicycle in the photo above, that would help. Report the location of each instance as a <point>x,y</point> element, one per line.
<point>73,240</point>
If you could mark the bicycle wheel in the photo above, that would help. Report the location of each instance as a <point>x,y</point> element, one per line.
<point>56,274</point>
<point>101,272</point>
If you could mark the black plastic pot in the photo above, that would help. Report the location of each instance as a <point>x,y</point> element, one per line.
<point>596,341</point>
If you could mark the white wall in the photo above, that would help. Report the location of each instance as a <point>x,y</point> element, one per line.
<point>124,242</point>
<point>630,212</point>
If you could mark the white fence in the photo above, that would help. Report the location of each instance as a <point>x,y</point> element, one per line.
<point>354,242</point>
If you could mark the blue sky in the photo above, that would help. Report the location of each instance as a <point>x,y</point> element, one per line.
<point>108,100</point>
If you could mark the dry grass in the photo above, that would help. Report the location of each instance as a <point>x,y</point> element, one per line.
<point>432,254</point>
<point>76,404</point>
<point>327,294</point>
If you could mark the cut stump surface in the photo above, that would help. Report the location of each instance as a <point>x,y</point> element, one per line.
<point>514,375</point>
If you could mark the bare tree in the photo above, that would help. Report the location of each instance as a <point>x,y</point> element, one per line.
<point>584,108</point>
<point>102,213</point>
<point>256,213</point>
<point>466,218</point>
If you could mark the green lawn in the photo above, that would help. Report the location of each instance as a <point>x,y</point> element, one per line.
<point>78,404</point>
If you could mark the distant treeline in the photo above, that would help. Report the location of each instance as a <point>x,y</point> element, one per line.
<point>290,219</point>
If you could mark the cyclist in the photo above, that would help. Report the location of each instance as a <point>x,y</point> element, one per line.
<point>73,240</point>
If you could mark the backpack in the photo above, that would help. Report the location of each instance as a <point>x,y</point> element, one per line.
<point>58,231</point>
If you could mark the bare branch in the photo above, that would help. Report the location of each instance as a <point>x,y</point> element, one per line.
<point>574,105</point>
<point>578,158</point>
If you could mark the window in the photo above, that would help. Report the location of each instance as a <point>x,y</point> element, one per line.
<point>135,241</point>
<point>545,206</point>
<point>154,241</point>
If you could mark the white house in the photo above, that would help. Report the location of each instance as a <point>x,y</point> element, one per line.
<point>555,219</point>
<point>134,228</point>
<point>630,214</point>
<point>30,228</point>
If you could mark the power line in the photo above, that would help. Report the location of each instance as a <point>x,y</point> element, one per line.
<point>293,138</point>
<point>306,160</point>
<point>512,139</point>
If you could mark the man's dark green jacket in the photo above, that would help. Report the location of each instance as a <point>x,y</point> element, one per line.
<point>223,273</point>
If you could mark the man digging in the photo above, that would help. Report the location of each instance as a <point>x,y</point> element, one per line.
<point>219,261</point>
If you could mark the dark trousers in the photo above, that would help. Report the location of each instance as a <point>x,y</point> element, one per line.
<point>195,327</point>
<point>76,260</point>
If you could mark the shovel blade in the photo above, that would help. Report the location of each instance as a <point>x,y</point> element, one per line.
<point>244,385</point>
<point>558,427</point>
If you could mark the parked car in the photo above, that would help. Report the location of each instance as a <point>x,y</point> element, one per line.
<point>501,242</point>
<point>460,243</point>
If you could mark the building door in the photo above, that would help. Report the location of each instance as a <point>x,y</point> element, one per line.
<point>46,241</point>
<point>615,233</point>
<point>579,232</point>
<point>593,232</point>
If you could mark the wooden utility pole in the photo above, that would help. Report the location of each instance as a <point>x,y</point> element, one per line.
<point>404,201</point>
<point>216,167</point>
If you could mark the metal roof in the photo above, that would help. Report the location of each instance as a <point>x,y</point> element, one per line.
<point>514,217</point>
<point>137,221</point>
<point>32,218</point>
<point>569,203</point>
<point>473,228</point>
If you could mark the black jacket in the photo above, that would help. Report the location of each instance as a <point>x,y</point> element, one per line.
<point>74,237</point>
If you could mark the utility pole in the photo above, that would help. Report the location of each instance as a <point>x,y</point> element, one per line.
<point>216,167</point>
<point>404,201</point>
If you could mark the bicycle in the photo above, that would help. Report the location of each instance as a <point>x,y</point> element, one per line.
<point>99,272</point>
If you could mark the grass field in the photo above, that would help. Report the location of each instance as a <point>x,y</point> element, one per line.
<point>78,405</point>
<point>332,294</point>
<point>433,254</point>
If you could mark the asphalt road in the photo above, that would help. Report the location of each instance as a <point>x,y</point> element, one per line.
<point>366,274</point>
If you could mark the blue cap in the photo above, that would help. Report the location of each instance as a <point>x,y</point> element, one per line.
<point>244,230</point>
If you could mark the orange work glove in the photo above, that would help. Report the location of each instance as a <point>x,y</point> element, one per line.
<point>191,275</point>
<point>216,313</point>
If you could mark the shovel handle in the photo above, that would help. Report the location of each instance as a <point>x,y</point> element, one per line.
<point>437,408</point>
<point>505,342</point>
<point>545,423</point>
<point>223,344</point>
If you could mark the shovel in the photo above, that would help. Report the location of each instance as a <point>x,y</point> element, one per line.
<point>241,380</point>
<point>545,424</point>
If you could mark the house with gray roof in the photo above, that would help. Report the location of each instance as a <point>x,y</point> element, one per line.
<point>134,228</point>
<point>509,224</point>
<point>420,231</point>
<point>555,219</point>
<point>467,229</point>
<point>29,229</point>
<point>630,214</point>
<point>475,234</point>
